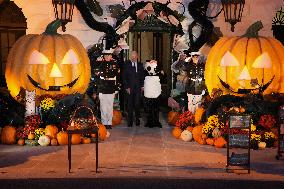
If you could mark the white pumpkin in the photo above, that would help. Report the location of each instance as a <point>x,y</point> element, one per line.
<point>216,133</point>
<point>186,136</point>
<point>44,140</point>
<point>261,145</point>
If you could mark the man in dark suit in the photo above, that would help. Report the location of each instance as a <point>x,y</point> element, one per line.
<point>133,81</point>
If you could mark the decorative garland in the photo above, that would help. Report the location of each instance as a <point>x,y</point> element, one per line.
<point>158,8</point>
<point>196,8</point>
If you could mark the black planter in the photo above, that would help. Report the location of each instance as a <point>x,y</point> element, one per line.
<point>278,32</point>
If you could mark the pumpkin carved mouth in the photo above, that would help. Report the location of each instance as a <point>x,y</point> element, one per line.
<point>52,88</point>
<point>246,91</point>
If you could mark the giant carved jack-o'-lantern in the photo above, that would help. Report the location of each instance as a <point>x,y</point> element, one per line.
<point>234,61</point>
<point>49,63</point>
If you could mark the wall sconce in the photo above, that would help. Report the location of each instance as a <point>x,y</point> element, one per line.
<point>63,10</point>
<point>233,10</point>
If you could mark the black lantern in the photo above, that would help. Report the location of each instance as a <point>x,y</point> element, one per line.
<point>233,10</point>
<point>63,10</point>
<point>278,25</point>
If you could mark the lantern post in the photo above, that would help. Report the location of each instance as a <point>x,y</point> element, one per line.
<point>233,10</point>
<point>63,10</point>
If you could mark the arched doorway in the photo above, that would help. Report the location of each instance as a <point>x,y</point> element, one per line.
<point>152,34</point>
<point>13,25</point>
<point>152,39</point>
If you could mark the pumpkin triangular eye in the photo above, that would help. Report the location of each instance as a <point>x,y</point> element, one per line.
<point>229,60</point>
<point>38,58</point>
<point>70,58</point>
<point>263,61</point>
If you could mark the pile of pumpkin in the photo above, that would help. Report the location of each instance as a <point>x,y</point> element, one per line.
<point>51,137</point>
<point>193,129</point>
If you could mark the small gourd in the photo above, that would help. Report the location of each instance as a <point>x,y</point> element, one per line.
<point>31,136</point>
<point>54,142</point>
<point>21,142</point>
<point>186,136</point>
<point>216,133</point>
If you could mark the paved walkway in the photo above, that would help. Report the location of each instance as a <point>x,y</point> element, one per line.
<point>135,152</point>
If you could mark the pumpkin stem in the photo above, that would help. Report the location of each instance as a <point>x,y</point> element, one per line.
<point>252,31</point>
<point>53,27</point>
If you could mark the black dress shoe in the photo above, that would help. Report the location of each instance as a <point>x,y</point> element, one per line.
<point>108,127</point>
<point>137,122</point>
<point>129,125</point>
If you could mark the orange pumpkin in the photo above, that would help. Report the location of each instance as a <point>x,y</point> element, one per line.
<point>198,114</point>
<point>220,142</point>
<point>210,141</point>
<point>31,136</point>
<point>8,135</point>
<point>250,53</point>
<point>51,131</point>
<point>54,142</point>
<point>75,139</point>
<point>201,141</point>
<point>86,140</point>
<point>173,117</point>
<point>117,117</point>
<point>49,63</point>
<point>176,132</point>
<point>242,109</point>
<point>197,132</point>
<point>62,138</point>
<point>21,142</point>
<point>204,136</point>
<point>102,132</point>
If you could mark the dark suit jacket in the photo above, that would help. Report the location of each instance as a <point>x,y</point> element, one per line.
<point>131,79</point>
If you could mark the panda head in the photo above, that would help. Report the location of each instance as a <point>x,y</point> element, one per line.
<point>151,67</point>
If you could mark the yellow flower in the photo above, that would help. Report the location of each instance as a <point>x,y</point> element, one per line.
<point>255,137</point>
<point>268,135</point>
<point>47,104</point>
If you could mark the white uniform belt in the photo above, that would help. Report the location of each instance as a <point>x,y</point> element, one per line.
<point>193,79</point>
<point>110,78</point>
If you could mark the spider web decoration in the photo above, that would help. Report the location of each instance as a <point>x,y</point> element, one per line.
<point>279,17</point>
<point>278,25</point>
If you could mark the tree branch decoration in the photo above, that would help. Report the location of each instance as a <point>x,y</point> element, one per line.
<point>111,36</point>
<point>197,9</point>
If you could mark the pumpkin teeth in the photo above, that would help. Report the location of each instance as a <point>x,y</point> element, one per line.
<point>52,88</point>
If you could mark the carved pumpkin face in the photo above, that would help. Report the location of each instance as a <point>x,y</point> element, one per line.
<point>49,64</point>
<point>237,60</point>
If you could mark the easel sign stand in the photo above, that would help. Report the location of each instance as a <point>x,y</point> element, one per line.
<point>280,150</point>
<point>238,147</point>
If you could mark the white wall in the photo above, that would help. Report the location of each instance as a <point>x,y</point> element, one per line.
<point>40,12</point>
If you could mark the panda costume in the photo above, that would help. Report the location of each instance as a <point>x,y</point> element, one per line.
<point>152,91</point>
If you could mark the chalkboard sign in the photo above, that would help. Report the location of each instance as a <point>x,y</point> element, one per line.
<point>238,159</point>
<point>239,140</point>
<point>240,121</point>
